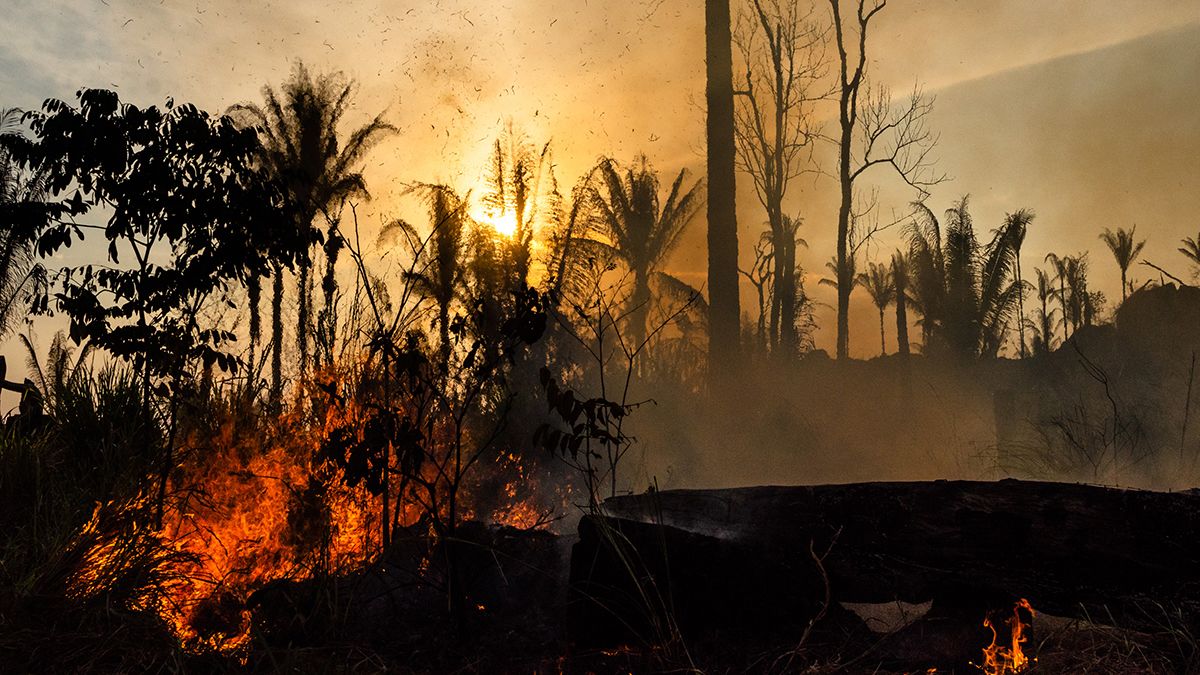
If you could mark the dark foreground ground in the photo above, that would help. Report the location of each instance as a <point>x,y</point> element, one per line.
<point>519,619</point>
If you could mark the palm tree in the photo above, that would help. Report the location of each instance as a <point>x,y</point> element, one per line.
<point>1017,224</point>
<point>319,170</point>
<point>1124,250</point>
<point>1078,304</point>
<point>965,292</point>
<point>17,186</point>
<point>516,174</point>
<point>900,282</point>
<point>878,282</point>
<point>1191,250</point>
<point>960,321</point>
<point>1042,328</point>
<point>440,272</point>
<point>636,228</point>
<point>1062,272</point>
<point>927,267</point>
<point>851,272</point>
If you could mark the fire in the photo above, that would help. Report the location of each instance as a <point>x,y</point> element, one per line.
<point>252,504</point>
<point>1003,660</point>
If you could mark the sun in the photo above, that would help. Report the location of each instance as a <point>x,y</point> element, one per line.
<point>504,223</point>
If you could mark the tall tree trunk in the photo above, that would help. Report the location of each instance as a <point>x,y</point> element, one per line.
<point>1066,312</point>
<point>277,335</point>
<point>1020,305</point>
<point>639,309</point>
<point>901,323</point>
<point>845,282</point>
<point>882,335</point>
<point>787,297</point>
<point>1124,287</point>
<point>724,311</point>
<point>776,288</point>
<point>254,298</point>
<point>304,314</point>
<point>444,334</point>
<point>328,331</point>
<point>846,181</point>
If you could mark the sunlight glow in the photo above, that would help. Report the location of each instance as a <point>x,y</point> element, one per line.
<point>504,223</point>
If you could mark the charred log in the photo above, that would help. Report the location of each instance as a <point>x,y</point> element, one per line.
<point>1073,550</point>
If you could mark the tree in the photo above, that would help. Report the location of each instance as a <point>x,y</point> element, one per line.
<point>516,175</point>
<point>927,268</point>
<point>1042,327</point>
<point>301,145</point>
<point>1079,305</point>
<point>1124,250</point>
<point>440,271</point>
<point>880,286</point>
<point>637,228</point>
<point>966,292</point>
<point>783,54</point>
<point>1061,274</point>
<point>900,281</point>
<point>1018,225</point>
<point>189,216</point>
<point>19,190</point>
<point>724,310</point>
<point>761,276</point>
<point>1191,251</point>
<point>873,132</point>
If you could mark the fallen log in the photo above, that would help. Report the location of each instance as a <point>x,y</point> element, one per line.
<point>1073,550</point>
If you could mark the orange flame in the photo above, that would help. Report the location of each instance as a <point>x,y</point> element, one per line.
<point>1004,660</point>
<point>253,506</point>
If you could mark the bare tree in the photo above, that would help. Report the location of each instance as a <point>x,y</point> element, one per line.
<point>761,276</point>
<point>875,131</point>
<point>724,311</point>
<point>783,52</point>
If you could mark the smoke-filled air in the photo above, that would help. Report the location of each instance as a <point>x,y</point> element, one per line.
<point>566,337</point>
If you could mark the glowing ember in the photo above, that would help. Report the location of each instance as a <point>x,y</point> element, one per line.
<point>1003,660</point>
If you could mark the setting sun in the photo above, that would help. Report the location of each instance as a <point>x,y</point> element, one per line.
<point>504,223</point>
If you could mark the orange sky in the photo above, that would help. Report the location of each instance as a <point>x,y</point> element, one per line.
<point>1084,111</point>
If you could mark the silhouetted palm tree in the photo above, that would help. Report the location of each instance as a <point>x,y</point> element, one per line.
<point>877,279</point>
<point>927,267</point>
<point>1062,273</point>
<point>1079,306</point>
<point>1191,250</point>
<point>1042,327</point>
<point>17,186</point>
<point>1124,250</point>
<point>900,282</point>
<point>1017,224</point>
<point>966,292</point>
<point>640,230</point>
<point>320,170</point>
<point>519,174</point>
<point>440,272</point>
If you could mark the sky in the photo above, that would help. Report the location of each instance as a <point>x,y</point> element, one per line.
<point>1086,112</point>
